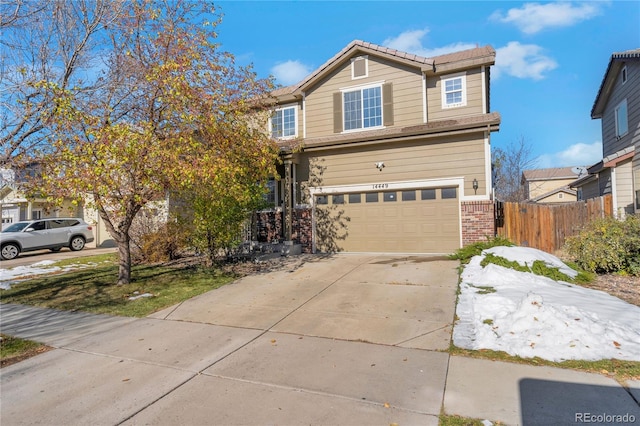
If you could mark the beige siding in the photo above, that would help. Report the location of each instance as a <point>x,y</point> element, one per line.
<point>624,188</point>
<point>407,94</point>
<point>452,157</point>
<point>474,97</point>
<point>560,197</point>
<point>540,187</point>
<point>636,182</point>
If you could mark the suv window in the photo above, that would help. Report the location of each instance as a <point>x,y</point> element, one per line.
<point>72,222</point>
<point>39,226</point>
<point>54,224</point>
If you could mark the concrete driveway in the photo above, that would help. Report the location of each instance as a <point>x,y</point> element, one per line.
<point>351,339</point>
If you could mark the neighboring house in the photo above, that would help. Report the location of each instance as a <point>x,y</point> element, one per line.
<point>617,104</point>
<point>16,206</point>
<point>550,185</point>
<point>385,151</point>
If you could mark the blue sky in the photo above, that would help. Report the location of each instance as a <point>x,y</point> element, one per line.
<point>551,57</point>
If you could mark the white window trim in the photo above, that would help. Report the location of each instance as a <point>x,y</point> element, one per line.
<point>443,80</point>
<point>615,112</point>
<point>282,108</point>
<point>362,87</point>
<point>364,58</point>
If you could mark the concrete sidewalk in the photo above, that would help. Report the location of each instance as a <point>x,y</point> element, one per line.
<point>351,339</point>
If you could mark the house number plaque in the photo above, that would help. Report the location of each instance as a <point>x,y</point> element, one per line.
<point>380,185</point>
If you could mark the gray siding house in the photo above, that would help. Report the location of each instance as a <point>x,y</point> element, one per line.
<point>617,104</point>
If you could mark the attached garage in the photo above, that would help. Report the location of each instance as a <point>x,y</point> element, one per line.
<point>407,220</point>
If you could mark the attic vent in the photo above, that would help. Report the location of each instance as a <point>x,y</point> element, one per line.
<point>359,67</point>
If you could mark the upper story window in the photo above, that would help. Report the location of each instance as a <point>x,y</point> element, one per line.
<point>622,126</point>
<point>454,91</point>
<point>283,123</point>
<point>623,73</point>
<point>362,108</point>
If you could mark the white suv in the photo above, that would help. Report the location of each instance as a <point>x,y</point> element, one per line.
<point>52,234</point>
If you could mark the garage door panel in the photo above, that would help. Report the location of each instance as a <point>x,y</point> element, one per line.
<point>406,226</point>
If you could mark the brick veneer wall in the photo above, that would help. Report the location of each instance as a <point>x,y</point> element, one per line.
<point>477,221</point>
<point>270,227</point>
<point>302,232</point>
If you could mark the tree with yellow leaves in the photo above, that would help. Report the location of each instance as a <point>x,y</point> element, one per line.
<point>174,114</point>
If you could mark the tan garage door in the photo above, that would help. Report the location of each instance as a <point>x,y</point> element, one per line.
<point>412,221</point>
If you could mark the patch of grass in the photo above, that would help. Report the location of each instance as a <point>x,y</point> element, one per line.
<point>94,290</point>
<point>583,277</point>
<point>483,289</point>
<point>12,346</point>
<point>620,370</point>
<point>452,420</point>
<point>501,261</point>
<point>14,349</point>
<point>540,268</point>
<point>107,258</point>
<point>467,252</point>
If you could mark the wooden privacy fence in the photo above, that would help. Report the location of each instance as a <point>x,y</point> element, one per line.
<point>546,226</point>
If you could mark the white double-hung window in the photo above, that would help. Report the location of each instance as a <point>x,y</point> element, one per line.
<point>362,108</point>
<point>283,123</point>
<point>454,90</point>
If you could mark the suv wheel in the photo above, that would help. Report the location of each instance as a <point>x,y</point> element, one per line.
<point>10,251</point>
<point>77,243</point>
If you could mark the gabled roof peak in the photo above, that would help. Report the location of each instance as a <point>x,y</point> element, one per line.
<point>359,46</point>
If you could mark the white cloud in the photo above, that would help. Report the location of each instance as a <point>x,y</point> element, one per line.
<point>579,154</point>
<point>411,42</point>
<point>522,61</point>
<point>534,17</point>
<point>290,72</point>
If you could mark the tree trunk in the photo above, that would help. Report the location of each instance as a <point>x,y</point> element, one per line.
<point>121,236</point>
<point>124,264</point>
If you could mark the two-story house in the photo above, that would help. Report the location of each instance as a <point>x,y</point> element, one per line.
<point>550,185</point>
<point>386,151</point>
<point>617,104</point>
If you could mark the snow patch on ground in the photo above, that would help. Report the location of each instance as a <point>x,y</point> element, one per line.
<point>529,315</point>
<point>13,276</point>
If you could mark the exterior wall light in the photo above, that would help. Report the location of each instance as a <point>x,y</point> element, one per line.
<point>475,186</point>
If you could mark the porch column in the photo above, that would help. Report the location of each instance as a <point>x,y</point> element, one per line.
<point>288,205</point>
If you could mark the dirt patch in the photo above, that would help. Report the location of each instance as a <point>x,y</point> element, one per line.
<point>623,287</point>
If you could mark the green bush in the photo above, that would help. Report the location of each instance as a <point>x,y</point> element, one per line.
<point>608,245</point>
<point>467,252</point>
